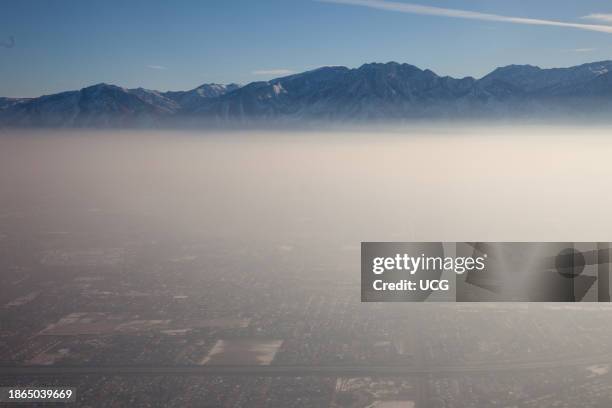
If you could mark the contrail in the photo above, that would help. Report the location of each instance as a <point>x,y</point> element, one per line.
<point>465,14</point>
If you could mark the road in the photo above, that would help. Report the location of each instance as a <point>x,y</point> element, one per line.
<point>299,370</point>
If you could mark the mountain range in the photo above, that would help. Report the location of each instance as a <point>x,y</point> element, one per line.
<point>375,91</point>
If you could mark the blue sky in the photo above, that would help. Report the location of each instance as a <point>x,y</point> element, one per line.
<point>66,44</point>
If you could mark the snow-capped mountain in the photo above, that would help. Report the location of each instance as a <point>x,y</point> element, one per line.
<point>97,105</point>
<point>101,105</point>
<point>533,80</point>
<point>190,100</point>
<point>371,92</point>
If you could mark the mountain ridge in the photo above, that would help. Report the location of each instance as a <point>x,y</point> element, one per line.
<point>373,91</point>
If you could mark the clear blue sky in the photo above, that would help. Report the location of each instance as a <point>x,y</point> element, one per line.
<point>68,44</point>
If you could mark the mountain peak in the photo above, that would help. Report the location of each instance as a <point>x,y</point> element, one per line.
<point>189,100</point>
<point>514,69</point>
<point>101,85</point>
<point>391,65</point>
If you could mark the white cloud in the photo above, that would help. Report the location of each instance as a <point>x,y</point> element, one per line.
<point>159,67</point>
<point>471,15</point>
<point>604,18</point>
<point>583,50</point>
<point>273,72</point>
